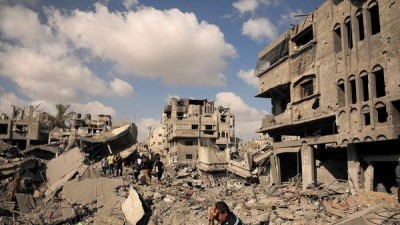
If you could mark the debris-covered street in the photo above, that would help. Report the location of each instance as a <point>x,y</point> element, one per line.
<point>65,190</point>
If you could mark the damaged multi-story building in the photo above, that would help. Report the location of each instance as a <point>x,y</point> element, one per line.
<point>157,141</point>
<point>23,128</point>
<point>334,83</point>
<point>100,133</point>
<point>195,127</point>
<point>83,126</point>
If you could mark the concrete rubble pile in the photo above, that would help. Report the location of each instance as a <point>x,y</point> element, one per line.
<point>66,190</point>
<point>186,200</point>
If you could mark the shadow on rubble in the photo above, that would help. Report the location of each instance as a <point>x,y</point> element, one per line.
<point>146,203</point>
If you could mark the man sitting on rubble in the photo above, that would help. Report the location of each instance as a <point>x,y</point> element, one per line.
<point>220,212</point>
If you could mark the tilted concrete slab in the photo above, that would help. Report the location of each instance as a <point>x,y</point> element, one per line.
<point>132,207</point>
<point>58,167</point>
<point>360,218</point>
<point>101,190</point>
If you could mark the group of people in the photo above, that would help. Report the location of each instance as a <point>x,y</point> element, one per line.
<point>112,165</point>
<point>147,165</point>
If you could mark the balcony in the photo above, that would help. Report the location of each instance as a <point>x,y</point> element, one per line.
<point>271,121</point>
<point>274,77</point>
<point>272,55</point>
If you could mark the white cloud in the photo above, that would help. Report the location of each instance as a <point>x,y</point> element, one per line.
<point>289,17</point>
<point>169,97</point>
<point>259,29</point>
<point>248,77</point>
<point>248,119</point>
<point>143,127</point>
<point>129,3</point>
<point>244,6</point>
<point>7,100</point>
<point>41,63</point>
<point>95,108</point>
<point>169,45</point>
<point>121,87</point>
<point>250,6</point>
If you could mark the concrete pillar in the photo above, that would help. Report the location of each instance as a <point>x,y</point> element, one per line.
<point>307,165</point>
<point>353,168</point>
<point>109,148</point>
<point>273,169</point>
<point>369,178</point>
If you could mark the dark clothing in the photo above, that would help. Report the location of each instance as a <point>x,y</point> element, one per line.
<point>159,165</point>
<point>136,171</point>
<point>398,191</point>
<point>160,169</point>
<point>104,170</point>
<point>118,165</point>
<point>398,182</point>
<point>159,175</point>
<point>147,165</point>
<point>111,169</point>
<point>233,220</point>
<point>136,168</point>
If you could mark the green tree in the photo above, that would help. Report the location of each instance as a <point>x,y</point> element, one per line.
<point>61,115</point>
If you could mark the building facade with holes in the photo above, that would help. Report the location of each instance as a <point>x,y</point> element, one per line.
<point>334,82</point>
<point>196,129</point>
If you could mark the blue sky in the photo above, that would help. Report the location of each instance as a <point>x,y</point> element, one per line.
<point>126,58</point>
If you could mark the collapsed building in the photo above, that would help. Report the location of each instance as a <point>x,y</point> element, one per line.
<point>81,126</point>
<point>334,84</point>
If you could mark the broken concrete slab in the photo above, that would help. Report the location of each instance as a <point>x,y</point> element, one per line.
<point>132,207</point>
<point>100,190</point>
<point>68,212</point>
<point>58,167</point>
<point>25,202</point>
<point>359,217</point>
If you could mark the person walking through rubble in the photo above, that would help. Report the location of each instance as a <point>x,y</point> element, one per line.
<point>398,181</point>
<point>118,165</point>
<point>111,161</point>
<point>221,212</point>
<point>136,171</point>
<point>147,167</point>
<point>160,169</point>
<point>104,165</point>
